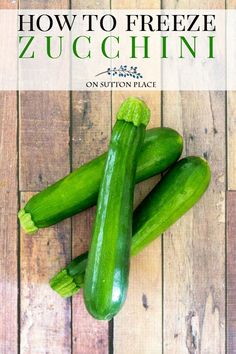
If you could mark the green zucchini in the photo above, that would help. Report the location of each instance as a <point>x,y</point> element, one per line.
<point>106,278</point>
<point>79,190</point>
<point>172,197</point>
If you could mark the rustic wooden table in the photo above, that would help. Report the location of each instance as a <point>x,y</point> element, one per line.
<point>183,287</point>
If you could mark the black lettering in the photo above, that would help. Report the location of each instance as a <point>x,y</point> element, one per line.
<point>192,23</point>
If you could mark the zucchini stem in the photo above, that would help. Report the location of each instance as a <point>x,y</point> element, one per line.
<point>26,222</point>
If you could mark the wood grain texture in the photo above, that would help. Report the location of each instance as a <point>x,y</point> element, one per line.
<point>91,113</point>
<point>44,127</point>
<point>194,249</point>
<point>8,217</point>
<point>44,158</point>
<point>136,4</point>
<point>45,316</point>
<point>231,212</point>
<point>138,327</point>
<point>231,4</point>
<point>193,4</point>
<point>44,4</point>
<point>194,282</point>
<point>44,138</point>
<point>231,272</point>
<point>89,335</point>
<point>9,4</point>
<point>194,301</point>
<point>231,127</point>
<point>8,223</point>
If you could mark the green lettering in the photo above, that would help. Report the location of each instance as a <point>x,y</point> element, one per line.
<point>104,52</point>
<point>188,46</point>
<point>49,47</point>
<point>134,47</point>
<point>211,47</point>
<point>75,47</point>
<point>22,54</point>
<point>164,51</point>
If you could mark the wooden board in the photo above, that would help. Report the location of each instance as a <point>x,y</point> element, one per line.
<point>91,114</point>
<point>45,316</point>
<point>136,321</point>
<point>231,127</point>
<point>8,223</point>
<point>231,119</point>
<point>8,218</point>
<point>194,283</point>
<point>44,138</point>
<point>231,272</point>
<point>231,212</point>
<point>194,292</point>
<point>136,329</point>
<point>44,128</point>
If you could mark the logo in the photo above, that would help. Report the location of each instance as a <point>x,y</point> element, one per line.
<point>120,77</point>
<point>123,71</point>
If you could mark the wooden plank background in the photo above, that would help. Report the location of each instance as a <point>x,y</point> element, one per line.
<point>182,291</point>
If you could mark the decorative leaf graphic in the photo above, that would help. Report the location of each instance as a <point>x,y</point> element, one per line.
<point>122,71</point>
